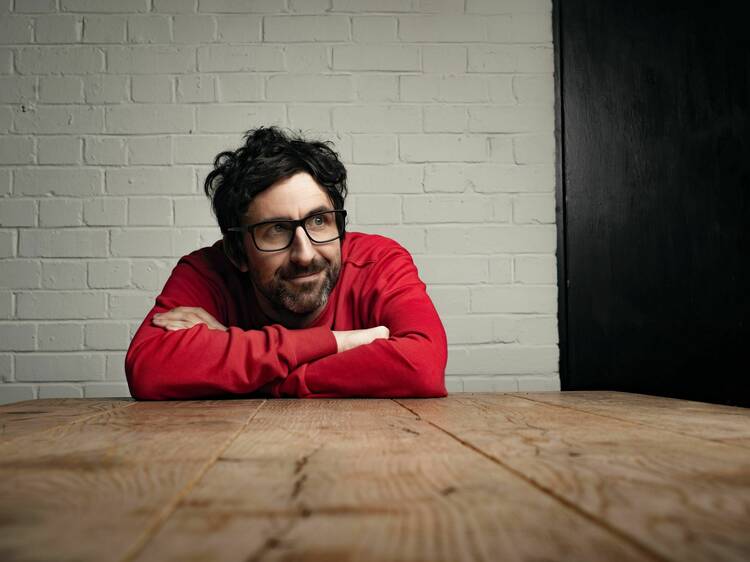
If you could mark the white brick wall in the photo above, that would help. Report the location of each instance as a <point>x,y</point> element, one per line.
<point>112,110</point>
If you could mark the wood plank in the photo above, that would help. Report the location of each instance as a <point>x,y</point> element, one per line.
<point>23,418</point>
<point>698,419</point>
<point>686,498</point>
<point>365,480</point>
<point>93,490</point>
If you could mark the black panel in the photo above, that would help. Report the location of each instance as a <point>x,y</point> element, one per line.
<point>656,173</point>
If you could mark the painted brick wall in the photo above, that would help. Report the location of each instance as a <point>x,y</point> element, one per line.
<point>111,110</point>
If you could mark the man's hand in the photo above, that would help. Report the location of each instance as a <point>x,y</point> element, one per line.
<point>184,317</point>
<point>354,338</point>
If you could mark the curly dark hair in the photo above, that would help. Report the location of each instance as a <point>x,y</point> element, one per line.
<point>268,156</point>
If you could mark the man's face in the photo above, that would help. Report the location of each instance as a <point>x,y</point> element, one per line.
<point>299,279</point>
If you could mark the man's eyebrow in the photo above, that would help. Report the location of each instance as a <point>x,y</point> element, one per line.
<point>319,209</point>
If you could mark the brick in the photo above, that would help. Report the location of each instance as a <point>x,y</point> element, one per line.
<point>502,383</point>
<point>17,212</point>
<point>374,29</point>
<point>501,89</point>
<point>60,60</point>
<point>289,29</point>
<point>143,242</point>
<point>306,58</point>
<point>149,211</point>
<point>442,29</point>
<point>521,178</point>
<point>445,118</point>
<point>17,89</point>
<point>310,117</point>
<point>4,182</point>
<point>442,6</point>
<point>130,306</point>
<point>534,89</point>
<point>444,59</point>
<point>59,150</point>
<point>501,270</point>
<point>10,393</point>
<point>151,118</point>
<point>59,119</point>
<point>517,299</point>
<point>238,118</point>
<point>503,359</point>
<point>376,87</point>
<point>378,209</point>
<point>449,300</point>
<point>106,89</point>
<point>107,335</point>
<point>194,29</point>
<point>61,89</point>
<point>60,391</point>
<point>534,209</point>
<point>152,59</point>
<point>310,88</point>
<point>534,149</point>
<point>55,305</point>
<point>150,181</point>
<point>16,150</point>
<point>410,237</point>
<point>68,243</point>
<point>370,6</point>
<point>240,87</point>
<point>105,151</point>
<point>6,304</point>
<point>511,119</point>
<point>375,57</point>
<point>60,337</point>
<point>124,6</point>
<point>149,150</point>
<point>511,58</point>
<point>193,212</point>
<point>501,149</point>
<point>105,211</point>
<point>6,61</point>
<point>535,269</point>
<point>115,367</point>
<point>377,119</point>
<point>198,88</point>
<point>456,270</point>
<point>150,275</point>
<point>487,178</point>
<point>240,6</point>
<point>520,28</point>
<point>7,243</point>
<point>539,384</point>
<point>106,390</point>
<point>175,6</point>
<point>104,29</point>
<point>60,367</point>
<point>443,147</point>
<point>375,149</point>
<point>64,274</point>
<point>201,149</point>
<point>309,6</point>
<point>468,329</point>
<point>537,330</point>
<point>444,88</point>
<point>149,29</point>
<point>79,182</point>
<point>16,29</point>
<point>238,28</point>
<point>186,240</point>
<point>445,208</point>
<point>57,29</point>
<point>60,212</point>
<point>108,274</point>
<point>491,239</point>
<point>20,274</point>
<point>33,6</point>
<point>240,58</point>
<point>152,89</point>
<point>507,6</point>
<point>385,179</point>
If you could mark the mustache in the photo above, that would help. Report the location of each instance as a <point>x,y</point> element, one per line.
<point>290,271</point>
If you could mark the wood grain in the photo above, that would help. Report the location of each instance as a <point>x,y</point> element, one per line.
<point>684,498</point>
<point>23,418</point>
<point>698,419</point>
<point>365,480</point>
<point>92,490</point>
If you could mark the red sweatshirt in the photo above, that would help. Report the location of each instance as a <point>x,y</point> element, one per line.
<point>378,285</point>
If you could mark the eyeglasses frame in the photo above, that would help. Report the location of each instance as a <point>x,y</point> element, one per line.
<point>250,228</point>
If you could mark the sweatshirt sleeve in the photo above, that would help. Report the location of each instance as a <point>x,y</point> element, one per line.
<point>202,363</point>
<point>411,363</point>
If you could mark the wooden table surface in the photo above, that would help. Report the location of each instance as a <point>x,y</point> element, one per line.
<point>497,477</point>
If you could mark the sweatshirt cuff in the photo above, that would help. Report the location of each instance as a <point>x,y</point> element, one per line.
<point>313,343</point>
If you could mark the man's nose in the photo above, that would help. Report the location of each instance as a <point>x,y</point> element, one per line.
<point>302,251</point>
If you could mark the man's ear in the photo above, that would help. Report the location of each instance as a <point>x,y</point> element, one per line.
<point>237,261</point>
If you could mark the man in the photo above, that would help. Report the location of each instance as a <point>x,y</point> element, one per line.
<point>288,303</point>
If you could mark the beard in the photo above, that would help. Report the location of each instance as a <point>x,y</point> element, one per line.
<point>300,299</point>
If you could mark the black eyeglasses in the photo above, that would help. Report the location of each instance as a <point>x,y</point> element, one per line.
<point>272,236</point>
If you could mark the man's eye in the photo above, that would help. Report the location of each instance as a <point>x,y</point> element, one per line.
<point>318,221</point>
<point>279,227</point>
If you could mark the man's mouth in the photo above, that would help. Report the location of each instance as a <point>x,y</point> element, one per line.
<point>303,277</point>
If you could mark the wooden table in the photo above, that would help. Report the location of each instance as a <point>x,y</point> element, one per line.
<point>496,477</point>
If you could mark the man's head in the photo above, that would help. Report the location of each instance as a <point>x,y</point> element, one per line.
<point>274,178</point>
